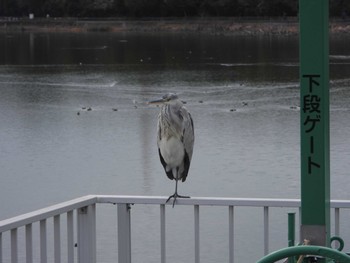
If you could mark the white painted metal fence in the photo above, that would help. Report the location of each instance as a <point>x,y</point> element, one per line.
<point>82,229</point>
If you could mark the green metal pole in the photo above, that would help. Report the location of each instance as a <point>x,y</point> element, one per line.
<point>291,229</point>
<point>314,122</point>
<point>291,234</point>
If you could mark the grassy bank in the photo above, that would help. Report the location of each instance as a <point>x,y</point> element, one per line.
<point>226,26</point>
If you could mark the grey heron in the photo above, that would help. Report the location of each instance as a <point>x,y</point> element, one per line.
<point>175,139</point>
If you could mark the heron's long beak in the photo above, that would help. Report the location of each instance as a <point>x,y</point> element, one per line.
<point>157,102</point>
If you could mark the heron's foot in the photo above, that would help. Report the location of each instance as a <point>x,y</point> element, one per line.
<point>175,196</point>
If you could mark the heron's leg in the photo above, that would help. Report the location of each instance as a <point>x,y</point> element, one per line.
<point>175,195</point>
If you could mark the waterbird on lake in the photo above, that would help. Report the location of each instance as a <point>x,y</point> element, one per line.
<point>135,103</point>
<point>175,139</point>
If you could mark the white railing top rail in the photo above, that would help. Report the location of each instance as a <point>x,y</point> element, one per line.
<point>201,201</point>
<point>211,201</point>
<point>51,211</point>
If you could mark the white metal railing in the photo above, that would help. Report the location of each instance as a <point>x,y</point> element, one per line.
<point>84,226</point>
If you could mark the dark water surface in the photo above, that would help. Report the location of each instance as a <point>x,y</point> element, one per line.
<point>241,91</point>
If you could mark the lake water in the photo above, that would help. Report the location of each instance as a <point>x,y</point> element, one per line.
<point>242,93</point>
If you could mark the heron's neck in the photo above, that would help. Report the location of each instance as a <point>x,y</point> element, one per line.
<point>171,121</point>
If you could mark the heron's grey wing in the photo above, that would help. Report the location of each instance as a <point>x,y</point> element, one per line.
<point>188,141</point>
<point>168,173</point>
<point>159,134</point>
<point>188,134</point>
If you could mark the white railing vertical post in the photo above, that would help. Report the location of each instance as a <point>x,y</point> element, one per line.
<point>231,234</point>
<point>266,230</point>
<point>87,234</point>
<point>162,234</point>
<point>29,244</point>
<point>0,247</point>
<point>14,246</point>
<point>70,237</point>
<point>124,234</point>
<point>337,221</point>
<point>196,234</point>
<point>57,238</point>
<point>43,243</point>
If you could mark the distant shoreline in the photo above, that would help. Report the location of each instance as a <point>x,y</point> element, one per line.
<point>221,26</point>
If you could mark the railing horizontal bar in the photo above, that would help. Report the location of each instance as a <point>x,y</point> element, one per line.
<point>64,207</point>
<point>340,204</point>
<point>209,201</point>
<point>204,201</point>
<point>45,213</point>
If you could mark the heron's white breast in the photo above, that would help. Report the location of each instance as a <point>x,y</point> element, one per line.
<point>172,150</point>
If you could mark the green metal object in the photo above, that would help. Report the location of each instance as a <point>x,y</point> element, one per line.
<point>306,250</point>
<point>291,233</point>
<point>340,240</point>
<point>314,122</point>
<point>291,229</point>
